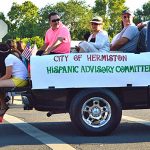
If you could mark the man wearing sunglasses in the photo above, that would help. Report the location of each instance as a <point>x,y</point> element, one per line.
<point>126,40</point>
<point>57,38</point>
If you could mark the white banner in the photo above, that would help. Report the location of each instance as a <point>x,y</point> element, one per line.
<point>90,70</point>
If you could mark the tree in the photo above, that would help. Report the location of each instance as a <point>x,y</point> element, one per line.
<point>2,16</point>
<point>110,11</point>
<point>43,19</point>
<point>143,14</point>
<point>24,19</point>
<point>75,14</point>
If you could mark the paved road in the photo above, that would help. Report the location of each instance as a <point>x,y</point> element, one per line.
<point>33,130</point>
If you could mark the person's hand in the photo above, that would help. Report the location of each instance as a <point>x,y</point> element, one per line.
<point>45,53</point>
<point>140,25</point>
<point>77,48</point>
<point>61,38</point>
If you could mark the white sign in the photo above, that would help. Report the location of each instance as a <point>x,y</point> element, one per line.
<point>3,29</point>
<point>90,70</point>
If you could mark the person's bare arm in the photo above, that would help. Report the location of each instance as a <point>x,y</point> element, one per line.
<point>119,43</point>
<point>55,45</point>
<point>44,47</point>
<point>142,24</point>
<point>8,73</point>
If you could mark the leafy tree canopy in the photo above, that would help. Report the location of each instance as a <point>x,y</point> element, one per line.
<point>143,14</point>
<point>110,11</point>
<point>75,14</point>
<point>24,19</point>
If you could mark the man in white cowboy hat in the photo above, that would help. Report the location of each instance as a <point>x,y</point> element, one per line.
<point>126,40</point>
<point>98,41</point>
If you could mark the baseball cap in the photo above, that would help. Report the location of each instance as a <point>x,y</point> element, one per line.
<point>127,11</point>
<point>97,20</point>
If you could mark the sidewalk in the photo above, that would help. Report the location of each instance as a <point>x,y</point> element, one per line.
<point>17,100</point>
<point>17,103</point>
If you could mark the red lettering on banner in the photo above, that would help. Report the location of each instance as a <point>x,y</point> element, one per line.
<point>61,58</point>
<point>77,57</point>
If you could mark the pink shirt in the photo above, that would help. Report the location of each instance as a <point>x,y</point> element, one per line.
<point>52,35</point>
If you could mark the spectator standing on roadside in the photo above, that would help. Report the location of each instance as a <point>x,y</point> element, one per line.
<point>13,47</point>
<point>20,46</point>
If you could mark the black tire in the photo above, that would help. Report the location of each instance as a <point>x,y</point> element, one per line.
<point>89,125</point>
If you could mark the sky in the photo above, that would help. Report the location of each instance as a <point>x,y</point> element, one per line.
<point>5,5</point>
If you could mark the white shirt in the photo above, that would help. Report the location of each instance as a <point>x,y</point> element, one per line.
<point>18,68</point>
<point>101,41</point>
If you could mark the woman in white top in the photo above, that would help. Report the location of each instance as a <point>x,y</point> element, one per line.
<point>98,41</point>
<point>15,76</point>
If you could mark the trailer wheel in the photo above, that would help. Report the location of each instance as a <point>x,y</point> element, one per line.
<point>95,111</point>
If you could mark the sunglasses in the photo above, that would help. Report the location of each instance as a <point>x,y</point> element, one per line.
<point>55,20</point>
<point>126,17</point>
<point>95,24</point>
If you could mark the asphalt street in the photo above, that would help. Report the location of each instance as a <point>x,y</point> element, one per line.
<point>33,130</point>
